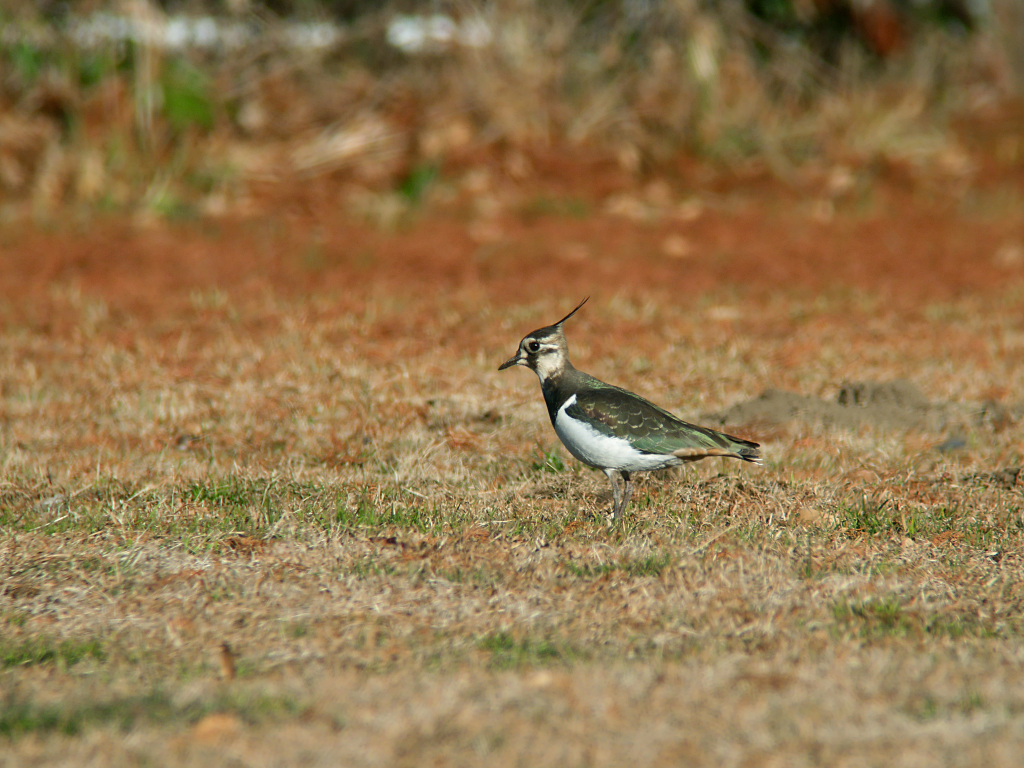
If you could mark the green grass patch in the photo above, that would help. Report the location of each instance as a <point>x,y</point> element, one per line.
<point>649,565</point>
<point>187,96</point>
<point>370,568</point>
<point>543,206</point>
<point>887,617</point>
<point>417,183</point>
<point>376,513</point>
<point>653,564</point>
<point>549,461</point>
<point>589,570</point>
<point>201,512</point>
<point>869,516</point>
<point>928,707</point>
<point>474,577</point>
<point>14,618</point>
<point>874,516</point>
<point>872,619</point>
<point>508,651</point>
<point>42,650</point>
<point>20,717</point>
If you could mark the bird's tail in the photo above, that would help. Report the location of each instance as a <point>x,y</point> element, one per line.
<point>747,450</point>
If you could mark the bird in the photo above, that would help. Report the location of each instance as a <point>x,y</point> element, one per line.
<point>613,429</point>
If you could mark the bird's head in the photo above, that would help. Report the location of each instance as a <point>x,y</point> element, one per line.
<point>545,350</point>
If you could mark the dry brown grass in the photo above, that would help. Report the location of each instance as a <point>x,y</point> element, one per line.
<point>320,528</point>
<point>265,499</point>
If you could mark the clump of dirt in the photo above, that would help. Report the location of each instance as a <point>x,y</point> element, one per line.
<point>1008,477</point>
<point>900,394</point>
<point>894,405</point>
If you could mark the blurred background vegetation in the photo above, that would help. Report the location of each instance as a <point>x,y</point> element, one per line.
<point>190,108</point>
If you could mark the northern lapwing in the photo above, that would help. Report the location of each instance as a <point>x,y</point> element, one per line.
<point>610,428</point>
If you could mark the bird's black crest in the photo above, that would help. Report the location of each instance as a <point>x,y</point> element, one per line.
<point>577,309</point>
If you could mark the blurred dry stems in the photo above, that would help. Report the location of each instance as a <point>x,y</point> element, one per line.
<point>168,132</point>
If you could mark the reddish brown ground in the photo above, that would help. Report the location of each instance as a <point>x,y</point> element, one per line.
<point>912,241</point>
<point>892,263</point>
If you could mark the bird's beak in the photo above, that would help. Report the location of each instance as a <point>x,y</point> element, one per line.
<point>514,360</point>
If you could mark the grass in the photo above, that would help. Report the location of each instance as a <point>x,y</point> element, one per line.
<point>549,461</point>
<point>444,554</point>
<point>548,206</point>
<point>20,717</point>
<point>509,652</point>
<point>887,618</point>
<point>646,565</point>
<point>299,517</point>
<point>41,650</point>
<point>735,85</point>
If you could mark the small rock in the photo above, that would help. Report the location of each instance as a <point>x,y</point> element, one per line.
<point>954,443</point>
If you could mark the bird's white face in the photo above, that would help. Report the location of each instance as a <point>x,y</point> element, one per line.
<point>543,353</point>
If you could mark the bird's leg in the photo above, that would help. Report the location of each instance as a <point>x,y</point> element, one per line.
<point>627,491</point>
<point>616,493</point>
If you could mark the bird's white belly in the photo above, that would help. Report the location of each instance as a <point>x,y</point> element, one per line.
<point>599,450</point>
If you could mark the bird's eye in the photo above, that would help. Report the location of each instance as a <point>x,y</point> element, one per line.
<point>533,346</point>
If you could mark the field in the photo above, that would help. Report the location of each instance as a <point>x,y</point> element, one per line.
<point>266,500</point>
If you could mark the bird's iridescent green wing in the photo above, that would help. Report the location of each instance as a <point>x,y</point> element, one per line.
<point>647,427</point>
